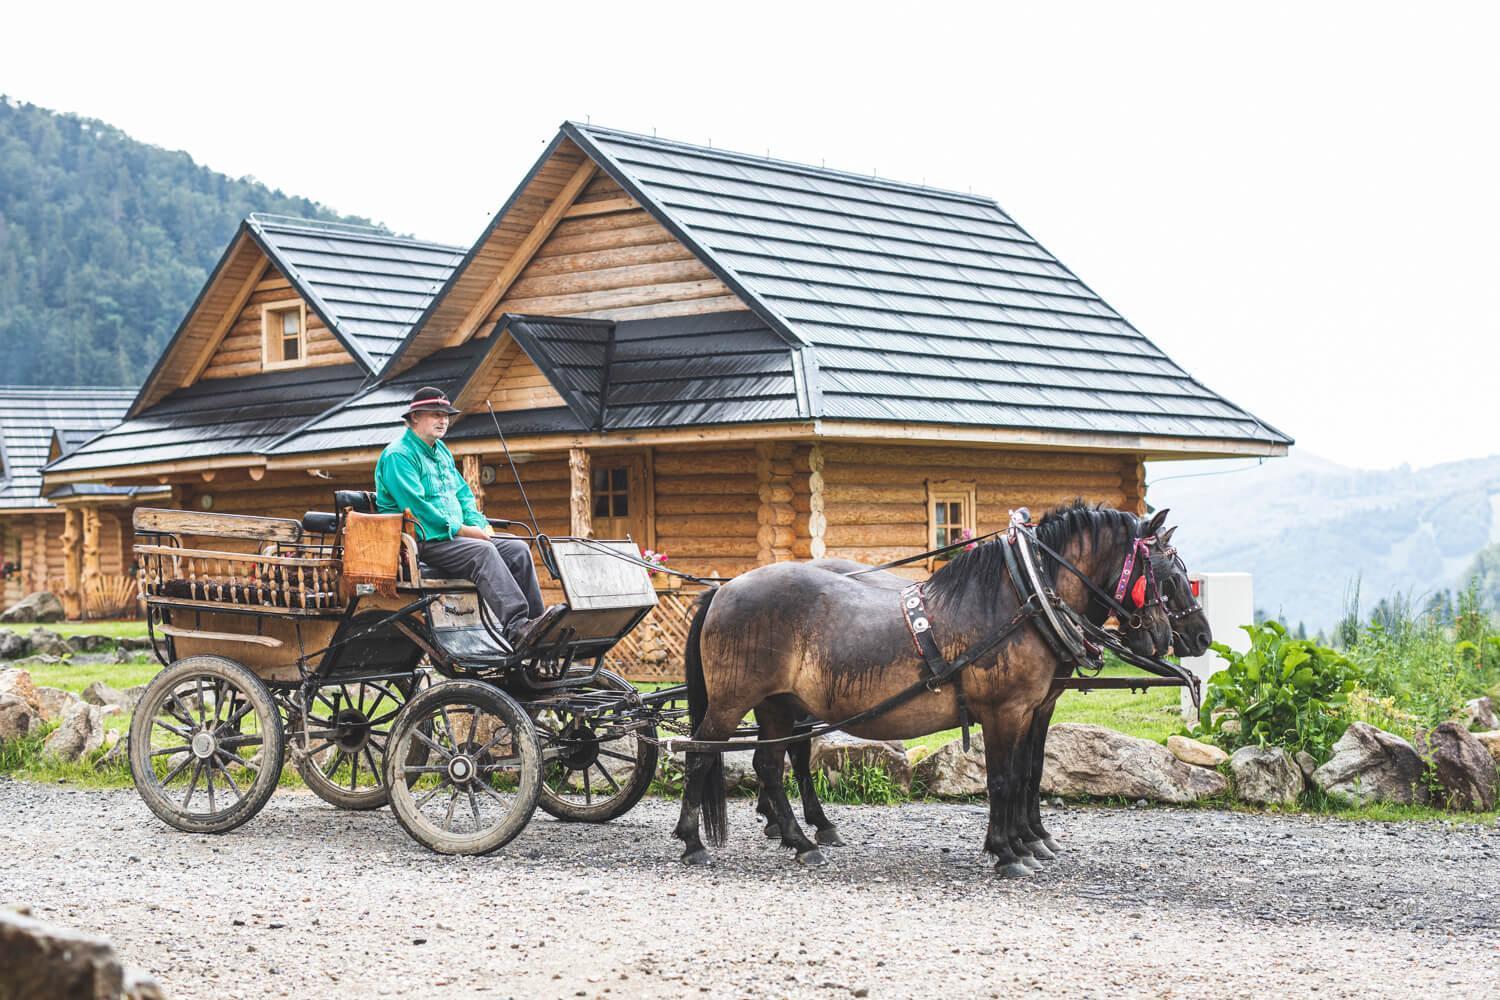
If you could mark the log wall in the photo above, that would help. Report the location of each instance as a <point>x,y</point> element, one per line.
<point>613,263</point>
<point>708,508</point>
<point>239,353</point>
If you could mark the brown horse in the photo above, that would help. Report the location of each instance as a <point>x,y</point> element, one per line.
<point>795,639</point>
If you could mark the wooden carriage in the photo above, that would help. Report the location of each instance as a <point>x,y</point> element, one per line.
<point>329,638</point>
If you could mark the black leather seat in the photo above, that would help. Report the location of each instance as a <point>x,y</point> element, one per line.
<point>320,522</point>
<point>361,501</point>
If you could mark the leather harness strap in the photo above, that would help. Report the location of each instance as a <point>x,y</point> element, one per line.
<point>919,624</point>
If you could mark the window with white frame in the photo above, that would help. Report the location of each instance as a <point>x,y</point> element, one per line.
<point>284,329</point>
<point>950,512</point>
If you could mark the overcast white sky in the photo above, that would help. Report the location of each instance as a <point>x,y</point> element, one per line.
<point>1299,202</point>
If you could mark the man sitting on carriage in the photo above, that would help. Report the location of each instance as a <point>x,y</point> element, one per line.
<point>416,473</point>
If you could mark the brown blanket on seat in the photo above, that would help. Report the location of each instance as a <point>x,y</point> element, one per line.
<point>372,552</point>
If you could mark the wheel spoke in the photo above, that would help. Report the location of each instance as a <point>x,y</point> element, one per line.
<point>236,742</point>
<point>452,802</point>
<point>177,770</point>
<point>353,771</point>
<point>424,769</point>
<point>607,776</point>
<point>499,764</point>
<point>379,779</point>
<point>588,789</point>
<point>181,713</point>
<point>172,729</point>
<point>198,682</point>
<point>224,771</point>
<point>331,767</point>
<point>166,750</point>
<point>447,755</point>
<point>208,778</point>
<point>484,786</point>
<point>616,756</point>
<point>192,785</point>
<point>473,805</point>
<point>431,792</point>
<point>495,739</point>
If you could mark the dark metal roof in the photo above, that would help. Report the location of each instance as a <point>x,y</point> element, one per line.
<point>29,418</point>
<point>218,418</point>
<point>368,285</point>
<point>917,304</point>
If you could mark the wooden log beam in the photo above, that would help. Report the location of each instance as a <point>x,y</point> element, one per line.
<point>524,252</point>
<point>581,519</point>
<point>471,466</point>
<point>817,520</point>
<point>72,544</point>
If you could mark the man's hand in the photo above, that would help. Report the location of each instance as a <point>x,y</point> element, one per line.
<point>470,531</point>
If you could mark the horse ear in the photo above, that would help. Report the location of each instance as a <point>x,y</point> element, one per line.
<point>1166,538</point>
<point>1154,525</point>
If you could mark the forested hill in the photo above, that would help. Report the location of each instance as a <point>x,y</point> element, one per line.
<point>104,242</point>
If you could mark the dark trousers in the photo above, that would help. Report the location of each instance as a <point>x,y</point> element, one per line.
<point>500,567</point>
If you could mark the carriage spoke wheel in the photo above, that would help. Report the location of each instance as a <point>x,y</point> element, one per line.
<point>206,745</point>
<point>463,768</point>
<point>348,730</point>
<point>594,771</point>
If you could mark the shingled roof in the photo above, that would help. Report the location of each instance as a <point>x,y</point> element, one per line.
<point>31,416</point>
<point>916,304</point>
<point>368,286</point>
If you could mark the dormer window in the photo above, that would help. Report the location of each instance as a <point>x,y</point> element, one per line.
<point>284,328</point>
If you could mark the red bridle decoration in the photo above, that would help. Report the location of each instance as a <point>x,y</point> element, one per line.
<point>1138,592</point>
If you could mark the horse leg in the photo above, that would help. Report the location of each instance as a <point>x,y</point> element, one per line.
<point>1002,742</point>
<point>764,808</point>
<point>812,806</point>
<point>769,768</point>
<point>1020,831</point>
<point>1037,838</point>
<point>703,791</point>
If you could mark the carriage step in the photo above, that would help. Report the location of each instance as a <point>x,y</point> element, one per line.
<point>193,633</point>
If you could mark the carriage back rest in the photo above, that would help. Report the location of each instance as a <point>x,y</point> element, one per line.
<point>596,581</point>
<point>196,522</point>
<point>362,501</point>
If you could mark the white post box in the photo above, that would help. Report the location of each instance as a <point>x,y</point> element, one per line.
<point>1228,600</point>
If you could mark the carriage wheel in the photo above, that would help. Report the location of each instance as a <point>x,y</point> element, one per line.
<point>592,772</point>
<point>348,729</point>
<point>205,745</point>
<point>477,787</point>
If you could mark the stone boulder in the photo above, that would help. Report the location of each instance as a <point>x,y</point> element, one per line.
<point>80,733</point>
<point>1092,760</point>
<point>836,753</point>
<point>1266,776</point>
<point>100,693</point>
<point>950,772</point>
<point>18,682</point>
<point>1462,766</point>
<point>1193,752</point>
<point>13,645</point>
<point>1370,765</point>
<point>17,718</point>
<point>44,960</point>
<point>41,606</point>
<point>1306,763</point>
<point>135,643</point>
<point>89,643</point>
<point>1491,742</point>
<point>55,701</point>
<point>45,642</point>
<point>1479,713</point>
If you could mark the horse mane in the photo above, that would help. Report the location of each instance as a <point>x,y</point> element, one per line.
<point>983,567</point>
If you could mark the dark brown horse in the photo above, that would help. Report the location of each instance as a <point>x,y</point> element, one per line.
<point>795,639</point>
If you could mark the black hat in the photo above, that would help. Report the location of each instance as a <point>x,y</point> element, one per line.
<point>430,400</point>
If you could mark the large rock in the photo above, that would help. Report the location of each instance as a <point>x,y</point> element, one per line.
<point>1491,742</point>
<point>81,732</point>
<point>13,645</point>
<point>18,682</point>
<point>1266,776</point>
<point>1092,760</point>
<point>135,642</point>
<point>1193,752</point>
<point>39,607</point>
<point>1479,713</point>
<point>836,753</point>
<point>55,701</point>
<point>45,642</point>
<point>951,772</point>
<point>17,718</point>
<point>1370,765</point>
<point>1462,766</point>
<point>100,693</point>
<point>44,960</point>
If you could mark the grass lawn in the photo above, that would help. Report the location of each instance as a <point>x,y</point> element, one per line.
<point>114,629</point>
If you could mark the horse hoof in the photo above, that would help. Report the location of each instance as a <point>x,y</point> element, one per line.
<point>695,859</point>
<point>1035,864</point>
<point>1013,870</point>
<point>773,832</point>
<point>1039,850</point>
<point>829,837</point>
<point>1051,845</point>
<point>812,858</point>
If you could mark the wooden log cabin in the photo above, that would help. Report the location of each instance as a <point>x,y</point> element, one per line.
<point>732,359</point>
<point>75,540</point>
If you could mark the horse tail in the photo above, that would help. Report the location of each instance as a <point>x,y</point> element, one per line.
<point>715,799</point>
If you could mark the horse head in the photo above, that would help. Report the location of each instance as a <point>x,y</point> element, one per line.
<point>1147,628</point>
<point>1191,634</point>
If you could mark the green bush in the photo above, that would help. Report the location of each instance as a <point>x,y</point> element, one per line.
<point>1283,692</point>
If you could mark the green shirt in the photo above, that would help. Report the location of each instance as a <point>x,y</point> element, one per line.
<point>413,475</point>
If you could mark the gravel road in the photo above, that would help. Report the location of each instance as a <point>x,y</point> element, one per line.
<point>306,901</point>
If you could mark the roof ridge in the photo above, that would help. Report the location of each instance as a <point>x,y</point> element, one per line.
<point>377,233</point>
<point>871,180</point>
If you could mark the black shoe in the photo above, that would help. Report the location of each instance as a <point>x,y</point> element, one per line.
<point>522,633</point>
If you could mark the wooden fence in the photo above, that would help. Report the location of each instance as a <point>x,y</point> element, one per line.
<point>653,650</point>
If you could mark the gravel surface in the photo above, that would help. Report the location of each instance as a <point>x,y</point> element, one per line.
<point>307,901</point>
